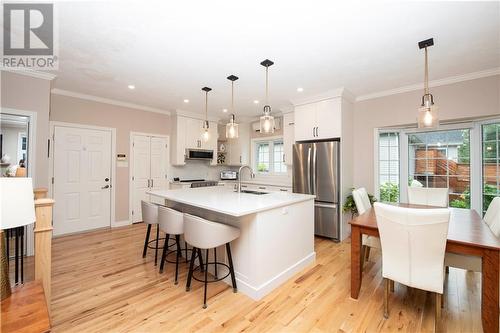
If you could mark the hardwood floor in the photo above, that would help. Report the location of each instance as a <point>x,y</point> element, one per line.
<point>101,283</point>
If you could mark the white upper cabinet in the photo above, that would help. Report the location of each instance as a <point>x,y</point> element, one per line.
<point>238,150</point>
<point>186,134</point>
<point>318,120</point>
<point>288,137</point>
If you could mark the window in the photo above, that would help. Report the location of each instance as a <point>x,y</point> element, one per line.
<point>389,166</point>
<point>441,159</point>
<point>269,157</point>
<point>490,163</point>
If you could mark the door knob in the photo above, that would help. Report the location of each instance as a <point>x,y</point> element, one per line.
<point>105,187</point>
<point>106,179</point>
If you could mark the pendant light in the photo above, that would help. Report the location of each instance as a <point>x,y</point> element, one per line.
<point>205,135</point>
<point>428,112</point>
<point>267,121</point>
<point>232,126</point>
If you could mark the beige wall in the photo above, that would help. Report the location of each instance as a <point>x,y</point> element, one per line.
<point>27,93</point>
<point>474,98</point>
<point>125,120</point>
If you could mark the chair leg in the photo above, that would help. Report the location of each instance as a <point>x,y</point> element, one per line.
<point>367,253</point>
<point>200,259</point>
<point>206,281</point>
<point>186,249</point>
<point>386,298</point>
<point>177,239</point>
<point>391,285</point>
<point>146,241</point>
<point>156,247</point>
<point>164,253</point>
<point>16,254</point>
<point>22,255</point>
<point>215,261</point>
<point>190,272</point>
<point>437,320</point>
<point>231,267</point>
<point>447,269</point>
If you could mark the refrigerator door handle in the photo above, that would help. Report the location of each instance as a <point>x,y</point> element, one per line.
<point>309,190</point>
<point>333,206</point>
<point>314,159</point>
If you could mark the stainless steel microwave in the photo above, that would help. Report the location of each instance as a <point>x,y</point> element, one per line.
<point>199,154</point>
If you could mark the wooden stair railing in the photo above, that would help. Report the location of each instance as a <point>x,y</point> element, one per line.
<point>43,244</point>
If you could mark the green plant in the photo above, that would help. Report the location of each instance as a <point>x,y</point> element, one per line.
<point>262,167</point>
<point>389,192</point>
<point>350,205</point>
<point>489,192</point>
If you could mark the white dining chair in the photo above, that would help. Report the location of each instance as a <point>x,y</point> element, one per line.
<point>413,246</point>
<point>362,201</point>
<point>473,263</point>
<point>428,196</point>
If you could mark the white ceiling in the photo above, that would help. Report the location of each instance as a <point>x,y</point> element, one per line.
<point>169,51</point>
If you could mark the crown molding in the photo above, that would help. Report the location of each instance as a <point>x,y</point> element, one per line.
<point>31,73</point>
<point>194,115</point>
<point>98,99</point>
<point>334,93</point>
<point>434,83</point>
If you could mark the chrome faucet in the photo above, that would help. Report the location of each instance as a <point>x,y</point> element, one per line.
<point>252,175</point>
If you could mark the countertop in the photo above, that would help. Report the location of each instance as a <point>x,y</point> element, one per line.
<point>225,201</point>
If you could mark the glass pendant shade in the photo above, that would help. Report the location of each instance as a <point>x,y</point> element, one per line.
<point>267,121</point>
<point>205,135</point>
<point>232,129</point>
<point>428,117</point>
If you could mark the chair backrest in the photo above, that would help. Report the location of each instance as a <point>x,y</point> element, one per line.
<point>428,196</point>
<point>170,220</point>
<point>361,200</point>
<point>149,212</point>
<point>492,216</point>
<point>204,234</point>
<point>413,245</point>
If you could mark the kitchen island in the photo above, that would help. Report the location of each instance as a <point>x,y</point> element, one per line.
<point>277,231</point>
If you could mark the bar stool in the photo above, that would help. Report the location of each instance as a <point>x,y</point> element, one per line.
<point>150,217</point>
<point>171,222</point>
<point>204,234</point>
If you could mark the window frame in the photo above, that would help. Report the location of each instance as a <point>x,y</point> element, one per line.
<point>269,140</point>
<point>476,198</point>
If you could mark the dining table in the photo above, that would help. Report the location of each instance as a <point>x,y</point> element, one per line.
<point>468,234</point>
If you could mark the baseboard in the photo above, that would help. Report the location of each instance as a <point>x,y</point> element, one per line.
<point>117,224</point>
<point>258,292</point>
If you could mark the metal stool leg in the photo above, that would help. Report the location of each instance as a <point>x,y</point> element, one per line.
<point>178,252</point>
<point>186,249</point>
<point>215,260</point>
<point>200,258</point>
<point>190,272</point>
<point>22,254</point>
<point>146,241</point>
<point>16,230</point>
<point>164,253</point>
<point>157,238</point>
<point>231,267</point>
<point>206,281</point>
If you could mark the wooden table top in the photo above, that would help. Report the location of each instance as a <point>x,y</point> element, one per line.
<point>25,310</point>
<point>466,226</point>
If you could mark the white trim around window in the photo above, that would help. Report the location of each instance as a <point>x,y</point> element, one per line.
<point>271,140</point>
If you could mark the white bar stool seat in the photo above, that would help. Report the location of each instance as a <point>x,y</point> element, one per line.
<point>203,234</point>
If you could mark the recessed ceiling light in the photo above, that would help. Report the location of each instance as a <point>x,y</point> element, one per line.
<point>186,101</point>
<point>224,110</point>
<point>256,102</point>
<point>131,86</point>
<point>300,89</point>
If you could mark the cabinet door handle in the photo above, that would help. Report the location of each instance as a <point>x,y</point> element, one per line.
<point>262,187</point>
<point>283,190</point>
<point>240,158</point>
<point>313,131</point>
<point>152,183</point>
<point>149,183</point>
<point>283,157</point>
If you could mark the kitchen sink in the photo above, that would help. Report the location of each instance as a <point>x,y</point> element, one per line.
<point>253,192</point>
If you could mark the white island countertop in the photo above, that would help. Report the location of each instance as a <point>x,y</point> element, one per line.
<point>225,201</point>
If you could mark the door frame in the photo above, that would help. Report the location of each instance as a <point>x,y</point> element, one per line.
<point>30,234</point>
<point>131,166</point>
<point>53,125</point>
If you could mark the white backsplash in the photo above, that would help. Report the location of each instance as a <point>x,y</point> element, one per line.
<point>198,170</point>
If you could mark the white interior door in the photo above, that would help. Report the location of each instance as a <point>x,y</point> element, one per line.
<point>159,156</point>
<point>82,179</point>
<point>149,170</point>
<point>141,180</point>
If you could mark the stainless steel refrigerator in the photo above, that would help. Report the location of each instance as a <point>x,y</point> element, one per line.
<point>316,169</point>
